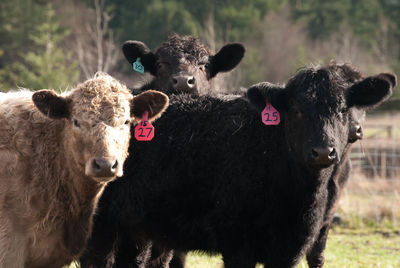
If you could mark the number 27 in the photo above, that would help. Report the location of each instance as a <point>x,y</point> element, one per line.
<point>141,130</point>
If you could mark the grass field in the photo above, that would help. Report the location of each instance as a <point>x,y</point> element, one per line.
<point>347,248</point>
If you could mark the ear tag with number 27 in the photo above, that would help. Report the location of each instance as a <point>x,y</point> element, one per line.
<point>144,131</point>
<point>270,115</point>
<point>137,66</point>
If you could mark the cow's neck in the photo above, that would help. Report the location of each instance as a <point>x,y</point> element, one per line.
<point>83,190</point>
<point>82,194</point>
<point>312,202</point>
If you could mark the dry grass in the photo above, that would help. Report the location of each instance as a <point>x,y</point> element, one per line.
<point>375,201</point>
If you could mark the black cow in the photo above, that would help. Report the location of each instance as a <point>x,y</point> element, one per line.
<point>315,255</point>
<point>182,64</point>
<point>160,257</point>
<point>218,180</point>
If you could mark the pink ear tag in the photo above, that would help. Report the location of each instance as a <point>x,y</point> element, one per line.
<point>270,115</point>
<point>144,131</point>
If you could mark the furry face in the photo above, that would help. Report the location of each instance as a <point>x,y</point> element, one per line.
<point>320,106</point>
<point>98,128</point>
<point>98,116</point>
<point>183,64</point>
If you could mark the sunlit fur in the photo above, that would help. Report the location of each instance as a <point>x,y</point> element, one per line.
<point>46,200</point>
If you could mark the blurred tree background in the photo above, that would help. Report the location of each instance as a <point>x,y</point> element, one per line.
<point>55,43</point>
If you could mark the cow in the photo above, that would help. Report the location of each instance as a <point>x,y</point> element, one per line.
<point>57,153</point>
<point>220,181</point>
<point>315,255</point>
<point>161,257</point>
<point>182,64</point>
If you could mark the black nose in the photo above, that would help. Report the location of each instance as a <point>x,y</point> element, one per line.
<point>323,156</point>
<point>104,167</point>
<point>355,133</point>
<point>183,83</point>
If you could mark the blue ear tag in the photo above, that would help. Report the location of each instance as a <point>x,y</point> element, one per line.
<point>137,66</point>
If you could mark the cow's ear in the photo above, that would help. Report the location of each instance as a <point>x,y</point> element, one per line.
<point>227,58</point>
<point>258,95</point>
<point>152,101</point>
<point>135,49</point>
<point>51,104</point>
<point>371,91</point>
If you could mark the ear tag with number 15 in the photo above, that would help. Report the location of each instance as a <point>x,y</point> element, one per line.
<point>137,66</point>
<point>270,115</point>
<point>144,131</point>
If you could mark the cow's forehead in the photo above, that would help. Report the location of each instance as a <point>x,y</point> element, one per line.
<point>319,90</point>
<point>101,99</point>
<point>176,57</point>
<point>186,47</point>
<point>323,82</point>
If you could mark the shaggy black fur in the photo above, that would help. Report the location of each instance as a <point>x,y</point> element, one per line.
<point>216,179</point>
<point>182,64</point>
<point>182,56</point>
<point>315,256</point>
<point>187,47</point>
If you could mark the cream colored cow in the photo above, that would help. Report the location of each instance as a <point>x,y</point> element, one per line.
<point>57,153</point>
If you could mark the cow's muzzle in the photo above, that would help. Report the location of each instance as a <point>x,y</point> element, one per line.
<point>102,167</point>
<point>323,156</point>
<point>355,133</point>
<point>184,83</point>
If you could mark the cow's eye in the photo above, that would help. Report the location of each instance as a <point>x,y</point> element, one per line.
<point>76,123</point>
<point>207,65</point>
<point>161,65</point>
<point>342,113</point>
<point>202,66</point>
<point>127,122</point>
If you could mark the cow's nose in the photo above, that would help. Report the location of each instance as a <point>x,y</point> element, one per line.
<point>323,156</point>
<point>103,167</point>
<point>356,133</point>
<point>183,83</point>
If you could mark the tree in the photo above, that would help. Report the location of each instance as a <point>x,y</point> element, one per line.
<point>45,65</point>
<point>16,21</point>
<point>322,17</point>
<point>95,45</point>
<point>151,21</point>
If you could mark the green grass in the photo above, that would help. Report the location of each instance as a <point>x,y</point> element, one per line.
<point>368,247</point>
<point>198,260</point>
<point>346,248</point>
